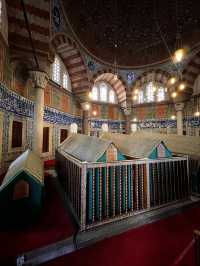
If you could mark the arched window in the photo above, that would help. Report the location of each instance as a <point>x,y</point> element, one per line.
<point>3,20</point>
<point>161,94</point>
<point>56,70</point>
<point>66,81</point>
<point>60,74</point>
<point>140,96</point>
<point>103,92</point>
<point>150,92</point>
<point>111,96</point>
<point>95,93</point>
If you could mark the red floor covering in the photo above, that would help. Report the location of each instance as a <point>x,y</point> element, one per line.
<point>52,226</point>
<point>163,243</point>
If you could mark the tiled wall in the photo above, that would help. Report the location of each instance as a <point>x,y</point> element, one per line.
<point>158,118</point>
<point>15,107</point>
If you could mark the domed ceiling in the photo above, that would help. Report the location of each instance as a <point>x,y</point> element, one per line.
<point>134,27</point>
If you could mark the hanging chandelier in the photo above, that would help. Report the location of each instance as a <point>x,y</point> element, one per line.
<point>176,56</point>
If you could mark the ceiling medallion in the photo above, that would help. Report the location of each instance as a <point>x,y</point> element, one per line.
<point>130,77</point>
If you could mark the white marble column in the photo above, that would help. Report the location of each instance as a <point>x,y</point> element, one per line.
<point>85,123</point>
<point>179,115</point>
<point>127,114</point>
<point>39,80</point>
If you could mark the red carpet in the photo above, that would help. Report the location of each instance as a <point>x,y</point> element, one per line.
<point>49,164</point>
<point>163,243</point>
<point>52,226</point>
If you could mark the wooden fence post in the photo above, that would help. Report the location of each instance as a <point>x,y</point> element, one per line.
<point>83,195</point>
<point>148,185</point>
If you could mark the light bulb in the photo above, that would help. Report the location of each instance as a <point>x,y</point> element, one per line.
<point>173,117</point>
<point>135,97</point>
<point>154,88</point>
<point>136,91</point>
<point>174,94</point>
<point>197,113</point>
<point>87,106</point>
<point>94,112</point>
<point>90,95</point>
<point>172,80</point>
<point>181,86</point>
<point>178,55</point>
<point>134,119</point>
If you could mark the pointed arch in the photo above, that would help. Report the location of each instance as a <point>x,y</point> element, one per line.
<point>116,83</point>
<point>156,75</point>
<point>145,82</point>
<point>192,70</point>
<point>68,51</point>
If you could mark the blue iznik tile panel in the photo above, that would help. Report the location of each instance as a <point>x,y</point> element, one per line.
<point>169,123</point>
<point>192,121</point>
<point>112,124</point>
<point>56,117</point>
<point>153,123</point>
<point>14,103</point>
<point>18,105</point>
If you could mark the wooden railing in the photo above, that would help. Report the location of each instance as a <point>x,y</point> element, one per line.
<point>103,192</point>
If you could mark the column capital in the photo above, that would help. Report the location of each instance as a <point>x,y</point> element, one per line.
<point>39,78</point>
<point>179,106</point>
<point>127,111</point>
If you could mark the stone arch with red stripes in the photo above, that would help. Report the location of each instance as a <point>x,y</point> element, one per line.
<point>69,52</point>
<point>156,75</point>
<point>191,71</point>
<point>117,84</point>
